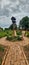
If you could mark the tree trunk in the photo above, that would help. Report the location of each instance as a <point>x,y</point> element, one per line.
<point>15,33</point>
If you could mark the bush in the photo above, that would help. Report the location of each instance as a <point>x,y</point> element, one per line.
<point>9,32</point>
<point>6,33</point>
<point>2,34</point>
<point>9,38</point>
<point>14,38</point>
<point>19,33</point>
<point>19,38</point>
<point>1,48</point>
<point>27,34</point>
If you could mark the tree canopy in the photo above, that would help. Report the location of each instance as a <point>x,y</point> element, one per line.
<point>13,20</point>
<point>11,27</point>
<point>24,23</point>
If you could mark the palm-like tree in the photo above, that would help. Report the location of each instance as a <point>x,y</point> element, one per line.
<point>14,25</point>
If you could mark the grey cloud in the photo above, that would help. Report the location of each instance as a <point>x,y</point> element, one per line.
<point>4,12</point>
<point>18,5</point>
<point>0,0</point>
<point>17,8</point>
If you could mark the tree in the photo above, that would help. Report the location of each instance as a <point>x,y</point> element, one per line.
<point>24,23</point>
<point>1,29</point>
<point>14,24</point>
<point>11,27</point>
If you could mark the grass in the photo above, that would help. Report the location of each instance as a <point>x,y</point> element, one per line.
<point>2,52</point>
<point>9,32</point>
<point>6,33</point>
<point>2,34</point>
<point>27,34</point>
<point>1,48</point>
<point>26,51</point>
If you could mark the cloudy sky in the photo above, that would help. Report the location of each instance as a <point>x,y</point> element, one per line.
<point>9,8</point>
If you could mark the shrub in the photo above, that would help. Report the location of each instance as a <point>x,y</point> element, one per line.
<point>9,32</point>
<point>9,38</point>
<point>19,38</point>
<point>19,33</point>
<point>27,34</point>
<point>14,38</point>
<point>2,34</point>
<point>1,48</point>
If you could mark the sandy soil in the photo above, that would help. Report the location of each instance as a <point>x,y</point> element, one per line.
<point>15,55</point>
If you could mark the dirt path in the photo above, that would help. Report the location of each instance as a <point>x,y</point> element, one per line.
<point>5,42</point>
<point>15,55</point>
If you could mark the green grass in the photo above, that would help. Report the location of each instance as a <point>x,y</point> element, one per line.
<point>27,34</point>
<point>1,48</point>
<point>2,34</point>
<point>9,34</point>
<point>6,33</point>
<point>2,53</point>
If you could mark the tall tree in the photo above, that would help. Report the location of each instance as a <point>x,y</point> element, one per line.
<point>11,27</point>
<point>24,23</point>
<point>14,24</point>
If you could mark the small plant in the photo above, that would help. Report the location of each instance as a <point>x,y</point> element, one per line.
<point>0,60</point>
<point>27,34</point>
<point>14,38</point>
<point>9,38</point>
<point>1,48</point>
<point>2,34</point>
<point>19,33</point>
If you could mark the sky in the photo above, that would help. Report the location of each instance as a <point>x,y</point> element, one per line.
<point>9,8</point>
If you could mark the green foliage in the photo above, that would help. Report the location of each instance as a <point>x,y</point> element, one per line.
<point>1,48</point>
<point>13,20</point>
<point>24,23</point>
<point>1,29</point>
<point>2,34</point>
<point>9,38</point>
<point>19,32</point>
<point>27,34</point>
<point>14,38</point>
<point>13,26</point>
<point>19,38</point>
<point>6,33</point>
<point>9,32</point>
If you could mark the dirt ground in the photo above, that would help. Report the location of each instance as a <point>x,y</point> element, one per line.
<point>15,55</point>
